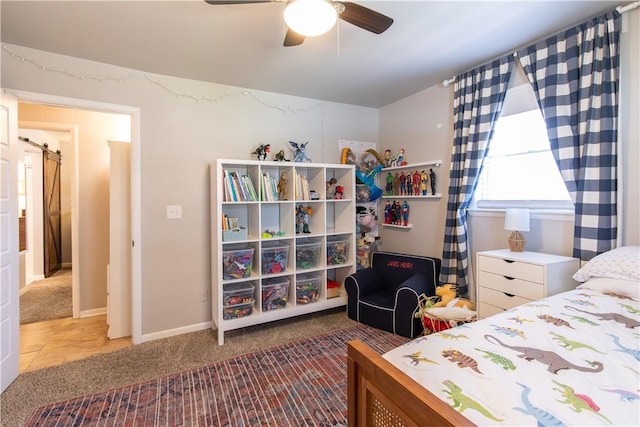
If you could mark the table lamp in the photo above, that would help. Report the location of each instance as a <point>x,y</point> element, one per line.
<point>516,220</point>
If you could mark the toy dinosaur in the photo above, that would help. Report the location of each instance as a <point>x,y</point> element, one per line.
<point>299,154</point>
<point>262,151</point>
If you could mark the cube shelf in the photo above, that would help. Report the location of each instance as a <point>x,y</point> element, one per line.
<point>292,243</point>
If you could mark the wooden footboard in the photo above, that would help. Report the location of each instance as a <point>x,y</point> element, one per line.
<point>379,394</point>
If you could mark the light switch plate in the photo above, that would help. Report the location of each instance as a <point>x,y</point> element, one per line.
<point>174,211</point>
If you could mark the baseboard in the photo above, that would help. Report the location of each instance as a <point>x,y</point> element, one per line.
<point>93,312</point>
<point>177,331</point>
<point>66,265</point>
<point>36,278</point>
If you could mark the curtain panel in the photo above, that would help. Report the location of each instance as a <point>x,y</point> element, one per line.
<point>575,78</point>
<point>478,98</point>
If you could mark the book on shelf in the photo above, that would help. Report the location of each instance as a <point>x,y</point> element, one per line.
<point>269,187</point>
<point>230,223</point>
<point>302,188</point>
<point>238,187</point>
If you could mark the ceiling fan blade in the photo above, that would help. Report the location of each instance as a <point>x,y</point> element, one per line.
<point>217,2</point>
<point>365,18</point>
<point>292,38</point>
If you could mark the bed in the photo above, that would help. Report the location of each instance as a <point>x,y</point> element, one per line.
<point>569,359</point>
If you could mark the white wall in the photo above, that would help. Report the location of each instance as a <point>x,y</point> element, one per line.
<point>186,124</point>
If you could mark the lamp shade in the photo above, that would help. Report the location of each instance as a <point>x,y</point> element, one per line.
<point>310,17</point>
<point>516,220</point>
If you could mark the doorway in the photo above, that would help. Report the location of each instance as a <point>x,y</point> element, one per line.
<point>55,117</point>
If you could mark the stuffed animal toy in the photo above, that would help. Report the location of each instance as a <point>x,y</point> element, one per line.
<point>448,298</point>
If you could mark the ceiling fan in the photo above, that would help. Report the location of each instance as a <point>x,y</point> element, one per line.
<point>352,13</point>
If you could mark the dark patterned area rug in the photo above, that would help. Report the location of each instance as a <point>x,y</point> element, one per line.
<point>298,384</point>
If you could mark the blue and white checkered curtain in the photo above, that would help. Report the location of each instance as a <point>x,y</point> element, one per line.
<point>575,78</point>
<point>478,99</point>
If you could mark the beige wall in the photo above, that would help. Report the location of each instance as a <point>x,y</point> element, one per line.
<point>421,124</point>
<point>186,124</point>
<point>413,123</point>
<point>94,130</point>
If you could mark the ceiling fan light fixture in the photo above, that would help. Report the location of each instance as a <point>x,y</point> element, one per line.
<point>310,17</point>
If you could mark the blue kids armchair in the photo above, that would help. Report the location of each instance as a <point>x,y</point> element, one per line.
<point>385,295</point>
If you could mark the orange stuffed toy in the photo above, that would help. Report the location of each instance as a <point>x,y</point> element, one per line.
<point>448,298</point>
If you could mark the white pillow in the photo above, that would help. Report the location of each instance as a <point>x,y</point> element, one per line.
<point>630,288</point>
<point>619,263</point>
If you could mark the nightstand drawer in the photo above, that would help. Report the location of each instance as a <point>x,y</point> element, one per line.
<point>515,269</point>
<point>500,299</point>
<point>486,310</point>
<point>522,288</point>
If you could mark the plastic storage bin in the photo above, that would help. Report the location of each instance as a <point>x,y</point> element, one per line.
<point>337,250</point>
<point>237,293</point>
<point>237,262</point>
<point>307,253</point>
<point>275,293</point>
<point>307,288</point>
<point>274,257</point>
<point>237,311</point>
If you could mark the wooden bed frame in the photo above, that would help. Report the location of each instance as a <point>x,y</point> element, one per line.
<point>379,394</point>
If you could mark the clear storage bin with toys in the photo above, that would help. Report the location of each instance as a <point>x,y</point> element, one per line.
<point>237,311</point>
<point>308,253</point>
<point>237,300</point>
<point>237,262</point>
<point>275,293</point>
<point>337,250</point>
<point>274,257</point>
<point>238,293</point>
<point>308,288</point>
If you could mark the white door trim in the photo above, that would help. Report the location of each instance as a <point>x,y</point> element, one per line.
<point>136,211</point>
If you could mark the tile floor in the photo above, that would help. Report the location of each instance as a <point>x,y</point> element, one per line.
<point>59,341</point>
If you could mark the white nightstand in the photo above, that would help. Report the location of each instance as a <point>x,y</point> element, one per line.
<point>506,279</point>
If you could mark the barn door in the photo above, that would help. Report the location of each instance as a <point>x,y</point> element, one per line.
<point>51,206</point>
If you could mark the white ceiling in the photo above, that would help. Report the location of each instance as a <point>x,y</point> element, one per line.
<point>241,45</point>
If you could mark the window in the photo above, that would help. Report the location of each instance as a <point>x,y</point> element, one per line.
<point>519,169</point>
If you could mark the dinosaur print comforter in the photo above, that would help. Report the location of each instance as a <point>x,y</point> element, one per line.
<point>570,359</point>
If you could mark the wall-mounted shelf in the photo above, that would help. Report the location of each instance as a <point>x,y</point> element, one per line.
<point>408,226</point>
<point>435,163</point>
<point>426,196</point>
<point>409,166</point>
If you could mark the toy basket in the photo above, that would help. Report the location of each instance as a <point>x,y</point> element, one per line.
<point>432,322</point>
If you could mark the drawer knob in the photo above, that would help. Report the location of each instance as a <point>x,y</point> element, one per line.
<point>509,295</point>
<point>509,277</point>
<point>510,261</point>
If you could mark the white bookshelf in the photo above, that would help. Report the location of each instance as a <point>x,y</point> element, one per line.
<point>332,219</point>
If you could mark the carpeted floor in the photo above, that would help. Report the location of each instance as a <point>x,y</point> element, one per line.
<point>47,299</point>
<point>301,383</point>
<point>154,359</point>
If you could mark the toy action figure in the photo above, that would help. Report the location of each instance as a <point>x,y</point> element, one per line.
<point>389,188</point>
<point>432,176</point>
<point>405,213</point>
<point>302,219</point>
<point>403,184</point>
<point>415,183</point>
<point>423,182</point>
<point>387,213</point>
<point>282,186</point>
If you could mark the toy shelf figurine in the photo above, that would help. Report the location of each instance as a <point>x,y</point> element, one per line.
<point>396,213</point>
<point>302,219</point>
